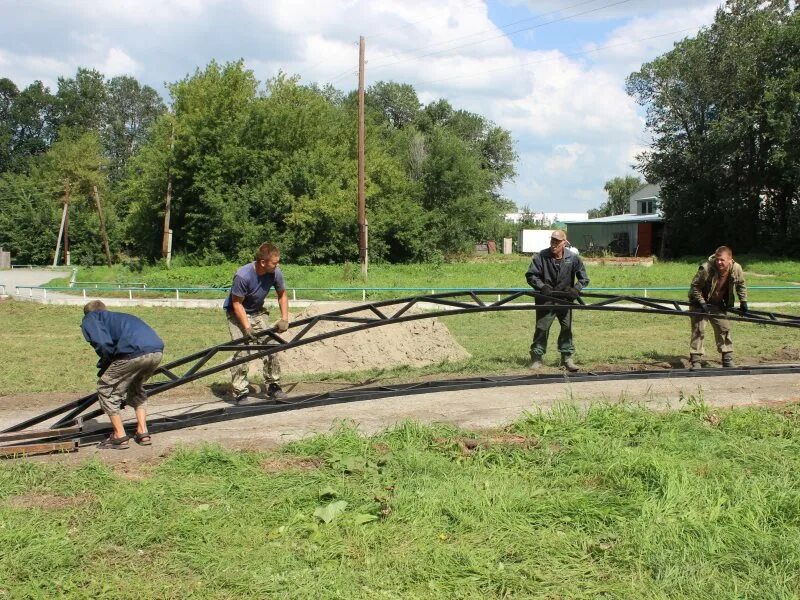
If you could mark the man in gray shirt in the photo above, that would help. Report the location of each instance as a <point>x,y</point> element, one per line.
<point>247,316</point>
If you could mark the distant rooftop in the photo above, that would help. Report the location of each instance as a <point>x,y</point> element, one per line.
<point>550,217</point>
<point>626,218</point>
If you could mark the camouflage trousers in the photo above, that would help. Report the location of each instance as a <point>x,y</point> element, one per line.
<point>721,327</point>
<point>123,381</point>
<point>271,366</point>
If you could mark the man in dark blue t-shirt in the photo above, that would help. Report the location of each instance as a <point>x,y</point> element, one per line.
<point>247,316</point>
<point>130,352</point>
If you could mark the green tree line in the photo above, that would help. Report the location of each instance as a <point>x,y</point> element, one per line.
<point>724,112</point>
<point>246,162</point>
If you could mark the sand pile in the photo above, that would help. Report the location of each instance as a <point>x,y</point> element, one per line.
<point>415,343</point>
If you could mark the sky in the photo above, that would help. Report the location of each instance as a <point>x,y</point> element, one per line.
<point>550,71</point>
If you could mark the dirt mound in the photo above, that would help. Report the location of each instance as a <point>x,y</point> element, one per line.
<point>414,343</point>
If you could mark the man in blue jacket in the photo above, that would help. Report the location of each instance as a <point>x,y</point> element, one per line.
<point>555,271</point>
<point>130,352</point>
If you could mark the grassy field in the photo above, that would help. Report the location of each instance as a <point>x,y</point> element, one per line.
<point>616,502</point>
<point>482,272</point>
<point>43,349</point>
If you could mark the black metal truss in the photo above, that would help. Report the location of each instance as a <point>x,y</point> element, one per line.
<point>388,312</point>
<point>227,413</point>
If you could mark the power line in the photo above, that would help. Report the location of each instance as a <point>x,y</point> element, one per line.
<point>500,27</point>
<point>545,60</point>
<point>405,25</point>
<point>565,18</point>
<point>353,69</point>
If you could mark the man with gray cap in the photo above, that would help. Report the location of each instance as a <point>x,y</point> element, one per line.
<point>555,272</point>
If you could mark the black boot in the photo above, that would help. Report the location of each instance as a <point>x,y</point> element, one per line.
<point>727,359</point>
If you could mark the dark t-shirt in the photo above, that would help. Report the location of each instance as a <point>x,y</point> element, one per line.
<point>254,289</point>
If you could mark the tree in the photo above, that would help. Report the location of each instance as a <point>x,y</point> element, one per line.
<point>619,191</point>
<point>81,100</point>
<point>397,103</point>
<point>128,111</point>
<point>26,124</point>
<point>719,146</point>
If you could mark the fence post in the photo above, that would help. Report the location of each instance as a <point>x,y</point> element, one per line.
<point>363,295</point>
<point>645,292</point>
<point>177,294</point>
<point>294,294</point>
<point>44,295</point>
<point>84,293</point>
<point>130,294</point>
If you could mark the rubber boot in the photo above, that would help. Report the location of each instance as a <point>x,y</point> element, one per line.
<point>568,364</point>
<point>696,360</point>
<point>727,360</point>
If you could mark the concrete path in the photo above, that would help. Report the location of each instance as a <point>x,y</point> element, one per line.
<point>471,409</point>
<point>10,279</point>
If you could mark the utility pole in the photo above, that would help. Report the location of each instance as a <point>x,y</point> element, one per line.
<point>66,225</point>
<point>63,220</point>
<point>102,226</point>
<point>166,240</point>
<point>362,203</point>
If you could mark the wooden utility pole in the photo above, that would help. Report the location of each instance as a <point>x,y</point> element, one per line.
<point>362,203</point>
<point>60,231</point>
<point>66,222</point>
<point>166,240</point>
<point>102,226</point>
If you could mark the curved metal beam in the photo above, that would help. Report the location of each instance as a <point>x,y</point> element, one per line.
<point>388,312</point>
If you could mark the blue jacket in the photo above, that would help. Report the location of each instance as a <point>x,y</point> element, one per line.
<point>115,335</point>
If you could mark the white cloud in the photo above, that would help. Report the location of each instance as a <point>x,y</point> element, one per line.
<point>575,125</point>
<point>117,62</point>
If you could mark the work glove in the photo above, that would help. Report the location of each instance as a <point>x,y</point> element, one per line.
<point>572,293</point>
<point>704,308</point>
<point>282,325</point>
<point>249,335</point>
<point>546,289</point>
<point>743,307</point>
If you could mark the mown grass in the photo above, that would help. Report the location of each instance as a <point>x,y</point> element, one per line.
<point>613,502</point>
<point>485,272</point>
<point>43,349</point>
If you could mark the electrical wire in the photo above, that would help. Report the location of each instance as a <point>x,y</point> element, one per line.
<point>500,27</point>
<point>571,55</point>
<point>565,18</point>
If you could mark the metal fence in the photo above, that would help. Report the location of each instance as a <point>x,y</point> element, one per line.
<point>91,288</point>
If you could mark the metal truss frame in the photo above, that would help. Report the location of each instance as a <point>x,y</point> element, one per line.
<point>377,314</point>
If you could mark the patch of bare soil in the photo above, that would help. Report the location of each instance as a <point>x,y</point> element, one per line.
<point>282,464</point>
<point>469,445</point>
<point>414,343</point>
<point>50,501</point>
<point>787,353</point>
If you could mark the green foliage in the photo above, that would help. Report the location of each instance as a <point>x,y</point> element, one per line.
<point>247,166</point>
<point>723,110</point>
<point>608,502</point>
<point>619,191</point>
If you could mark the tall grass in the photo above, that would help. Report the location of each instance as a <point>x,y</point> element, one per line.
<point>613,502</point>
